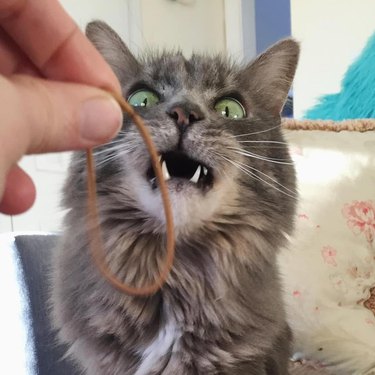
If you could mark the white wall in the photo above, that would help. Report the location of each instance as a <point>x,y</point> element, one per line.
<point>332,33</point>
<point>248,29</point>
<point>188,24</point>
<point>115,12</point>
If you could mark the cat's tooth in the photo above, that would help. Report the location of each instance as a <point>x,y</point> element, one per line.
<point>166,174</point>
<point>159,158</point>
<point>205,171</point>
<point>197,173</point>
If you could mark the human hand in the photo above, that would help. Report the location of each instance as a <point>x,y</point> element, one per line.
<point>47,100</point>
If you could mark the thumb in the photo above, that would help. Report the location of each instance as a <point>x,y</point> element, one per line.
<point>19,192</point>
<point>43,116</point>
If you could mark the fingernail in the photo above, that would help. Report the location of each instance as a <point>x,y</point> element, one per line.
<point>101,119</point>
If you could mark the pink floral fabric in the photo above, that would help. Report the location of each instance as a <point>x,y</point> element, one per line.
<point>361,218</point>
<point>329,255</point>
<point>329,268</point>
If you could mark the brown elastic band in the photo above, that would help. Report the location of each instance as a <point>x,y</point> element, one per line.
<point>95,238</point>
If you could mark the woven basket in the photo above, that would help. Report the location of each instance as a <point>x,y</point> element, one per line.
<point>357,125</point>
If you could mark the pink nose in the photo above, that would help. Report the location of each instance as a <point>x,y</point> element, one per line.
<point>183,117</point>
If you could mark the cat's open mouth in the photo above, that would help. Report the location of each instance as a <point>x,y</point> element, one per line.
<point>177,165</point>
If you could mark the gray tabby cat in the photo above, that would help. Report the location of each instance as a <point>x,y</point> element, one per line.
<point>232,185</point>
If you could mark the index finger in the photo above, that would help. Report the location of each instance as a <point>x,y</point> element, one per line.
<point>53,42</point>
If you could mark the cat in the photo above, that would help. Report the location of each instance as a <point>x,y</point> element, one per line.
<point>217,127</point>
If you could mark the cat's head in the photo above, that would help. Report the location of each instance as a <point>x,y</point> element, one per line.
<point>216,126</point>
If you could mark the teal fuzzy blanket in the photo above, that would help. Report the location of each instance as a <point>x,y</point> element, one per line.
<point>357,96</point>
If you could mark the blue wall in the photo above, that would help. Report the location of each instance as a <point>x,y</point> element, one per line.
<point>272,22</point>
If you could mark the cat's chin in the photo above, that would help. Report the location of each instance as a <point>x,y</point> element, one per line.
<point>192,206</point>
<point>181,187</point>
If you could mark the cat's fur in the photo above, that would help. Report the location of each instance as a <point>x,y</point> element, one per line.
<point>220,311</point>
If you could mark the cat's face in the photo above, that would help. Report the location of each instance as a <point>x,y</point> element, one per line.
<point>215,125</point>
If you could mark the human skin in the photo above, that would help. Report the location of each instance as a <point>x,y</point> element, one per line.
<point>53,93</point>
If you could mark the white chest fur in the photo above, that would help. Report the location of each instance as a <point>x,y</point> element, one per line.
<point>168,337</point>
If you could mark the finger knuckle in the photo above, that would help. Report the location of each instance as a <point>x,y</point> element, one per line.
<point>38,106</point>
<point>11,9</point>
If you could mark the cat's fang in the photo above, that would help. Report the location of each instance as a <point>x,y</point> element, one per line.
<point>165,171</point>
<point>205,171</point>
<point>197,174</point>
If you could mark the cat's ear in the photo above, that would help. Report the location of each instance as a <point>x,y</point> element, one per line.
<point>271,74</point>
<point>113,49</point>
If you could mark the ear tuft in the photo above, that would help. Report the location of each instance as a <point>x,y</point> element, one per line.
<point>271,74</point>
<point>113,49</point>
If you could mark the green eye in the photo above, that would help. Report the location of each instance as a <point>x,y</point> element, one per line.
<point>231,108</point>
<point>143,98</point>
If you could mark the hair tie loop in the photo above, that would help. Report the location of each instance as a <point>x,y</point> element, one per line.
<point>95,238</point>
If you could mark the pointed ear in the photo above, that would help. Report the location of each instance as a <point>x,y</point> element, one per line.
<point>271,74</point>
<point>113,49</point>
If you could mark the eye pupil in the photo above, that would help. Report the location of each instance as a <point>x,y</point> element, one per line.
<point>230,108</point>
<point>143,98</point>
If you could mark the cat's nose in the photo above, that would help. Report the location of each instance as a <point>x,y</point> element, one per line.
<point>185,115</point>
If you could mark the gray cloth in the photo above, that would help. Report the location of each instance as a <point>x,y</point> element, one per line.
<point>34,253</point>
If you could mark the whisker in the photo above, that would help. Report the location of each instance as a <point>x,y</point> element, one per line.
<point>109,148</point>
<point>258,132</point>
<point>113,157</point>
<point>258,178</point>
<point>106,161</point>
<point>221,156</point>
<point>260,157</point>
<point>117,140</point>
<point>268,147</point>
<point>269,177</point>
<point>273,142</point>
<point>278,144</point>
<point>107,154</point>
